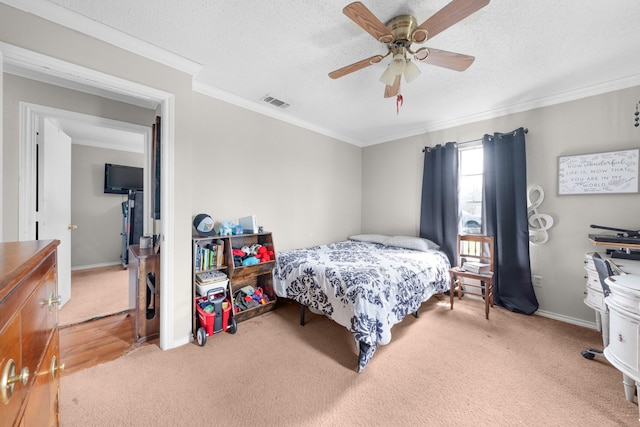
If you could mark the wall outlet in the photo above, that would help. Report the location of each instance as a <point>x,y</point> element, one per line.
<point>537,281</point>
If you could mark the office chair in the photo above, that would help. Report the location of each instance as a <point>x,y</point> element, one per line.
<point>604,271</point>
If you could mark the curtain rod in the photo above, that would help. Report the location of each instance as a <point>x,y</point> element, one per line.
<point>526,130</point>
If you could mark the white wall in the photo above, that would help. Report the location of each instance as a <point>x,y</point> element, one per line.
<point>98,238</point>
<point>308,188</point>
<point>18,89</point>
<point>302,186</point>
<point>227,161</point>
<point>28,32</point>
<point>392,179</point>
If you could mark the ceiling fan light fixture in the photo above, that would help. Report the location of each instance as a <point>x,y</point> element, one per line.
<point>398,64</point>
<point>400,32</point>
<point>388,76</point>
<point>411,71</point>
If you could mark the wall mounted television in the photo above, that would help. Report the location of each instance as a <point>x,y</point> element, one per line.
<point>119,179</point>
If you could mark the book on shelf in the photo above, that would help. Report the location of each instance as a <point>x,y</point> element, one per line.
<point>209,256</point>
<point>476,267</point>
<point>219,253</point>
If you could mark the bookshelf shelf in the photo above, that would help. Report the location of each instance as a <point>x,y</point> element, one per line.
<point>258,275</point>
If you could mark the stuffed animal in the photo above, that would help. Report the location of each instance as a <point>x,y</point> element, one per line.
<point>264,255</point>
<point>250,260</point>
<point>226,228</point>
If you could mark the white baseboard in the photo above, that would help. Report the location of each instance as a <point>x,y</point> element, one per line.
<point>86,267</point>
<point>555,316</point>
<point>567,319</point>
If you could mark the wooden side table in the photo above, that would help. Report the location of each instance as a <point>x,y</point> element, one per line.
<point>144,292</point>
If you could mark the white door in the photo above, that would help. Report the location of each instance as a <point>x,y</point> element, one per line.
<point>54,211</point>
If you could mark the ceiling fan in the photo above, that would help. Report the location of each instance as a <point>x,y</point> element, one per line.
<point>399,33</point>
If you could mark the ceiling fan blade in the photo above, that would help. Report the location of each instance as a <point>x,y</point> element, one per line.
<point>393,90</point>
<point>451,60</point>
<point>355,66</point>
<point>451,14</point>
<point>362,16</point>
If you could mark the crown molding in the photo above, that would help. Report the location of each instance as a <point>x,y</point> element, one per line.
<point>67,18</point>
<point>572,95</point>
<point>267,110</point>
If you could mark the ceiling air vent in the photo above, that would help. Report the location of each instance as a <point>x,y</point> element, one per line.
<point>275,102</point>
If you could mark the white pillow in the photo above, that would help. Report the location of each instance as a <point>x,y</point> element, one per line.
<point>408,242</point>
<point>372,238</point>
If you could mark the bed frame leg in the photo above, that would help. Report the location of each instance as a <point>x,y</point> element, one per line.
<point>301,314</point>
<point>416,314</point>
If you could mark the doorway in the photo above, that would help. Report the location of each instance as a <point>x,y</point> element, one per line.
<point>44,68</point>
<point>92,282</point>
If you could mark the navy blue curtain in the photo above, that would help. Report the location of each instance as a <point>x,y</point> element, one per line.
<point>505,218</point>
<point>439,209</point>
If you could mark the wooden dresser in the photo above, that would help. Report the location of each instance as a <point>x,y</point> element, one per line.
<point>29,348</point>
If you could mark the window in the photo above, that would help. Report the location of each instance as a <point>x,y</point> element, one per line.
<point>470,195</point>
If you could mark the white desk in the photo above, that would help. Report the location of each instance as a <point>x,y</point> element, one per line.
<point>624,329</point>
<point>594,297</point>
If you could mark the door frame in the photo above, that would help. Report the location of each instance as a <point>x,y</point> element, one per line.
<point>31,116</point>
<point>30,64</point>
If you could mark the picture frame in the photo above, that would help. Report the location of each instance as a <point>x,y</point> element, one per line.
<point>611,172</point>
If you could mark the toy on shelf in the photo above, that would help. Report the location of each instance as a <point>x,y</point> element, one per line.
<point>264,255</point>
<point>250,255</point>
<point>249,297</point>
<point>226,228</point>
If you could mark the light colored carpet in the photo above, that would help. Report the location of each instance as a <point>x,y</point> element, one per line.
<point>446,368</point>
<point>96,292</point>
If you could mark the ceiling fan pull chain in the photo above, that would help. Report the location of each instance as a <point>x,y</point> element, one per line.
<point>399,101</point>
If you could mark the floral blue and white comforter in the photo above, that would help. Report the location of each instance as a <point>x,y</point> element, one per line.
<point>365,287</point>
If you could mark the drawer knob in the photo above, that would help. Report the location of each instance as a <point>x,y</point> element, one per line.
<point>620,338</point>
<point>55,368</point>
<point>9,378</point>
<point>53,300</point>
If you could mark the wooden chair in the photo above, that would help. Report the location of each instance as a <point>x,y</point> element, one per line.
<point>474,249</point>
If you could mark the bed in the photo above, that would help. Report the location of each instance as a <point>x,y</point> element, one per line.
<point>366,284</point>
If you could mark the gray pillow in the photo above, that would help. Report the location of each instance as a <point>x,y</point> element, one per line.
<point>408,242</point>
<point>372,238</point>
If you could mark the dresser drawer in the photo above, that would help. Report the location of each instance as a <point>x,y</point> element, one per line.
<point>28,333</point>
<point>595,298</point>
<point>623,338</point>
<point>38,320</point>
<point>11,399</point>
<point>44,391</point>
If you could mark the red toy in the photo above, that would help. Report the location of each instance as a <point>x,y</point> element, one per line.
<point>260,296</point>
<point>264,255</point>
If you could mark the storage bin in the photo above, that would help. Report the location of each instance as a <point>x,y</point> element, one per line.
<point>203,288</point>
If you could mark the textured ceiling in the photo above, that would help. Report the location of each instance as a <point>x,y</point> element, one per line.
<point>528,53</point>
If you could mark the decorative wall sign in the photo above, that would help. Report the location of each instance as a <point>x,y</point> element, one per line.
<point>610,172</point>
<point>539,223</point>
